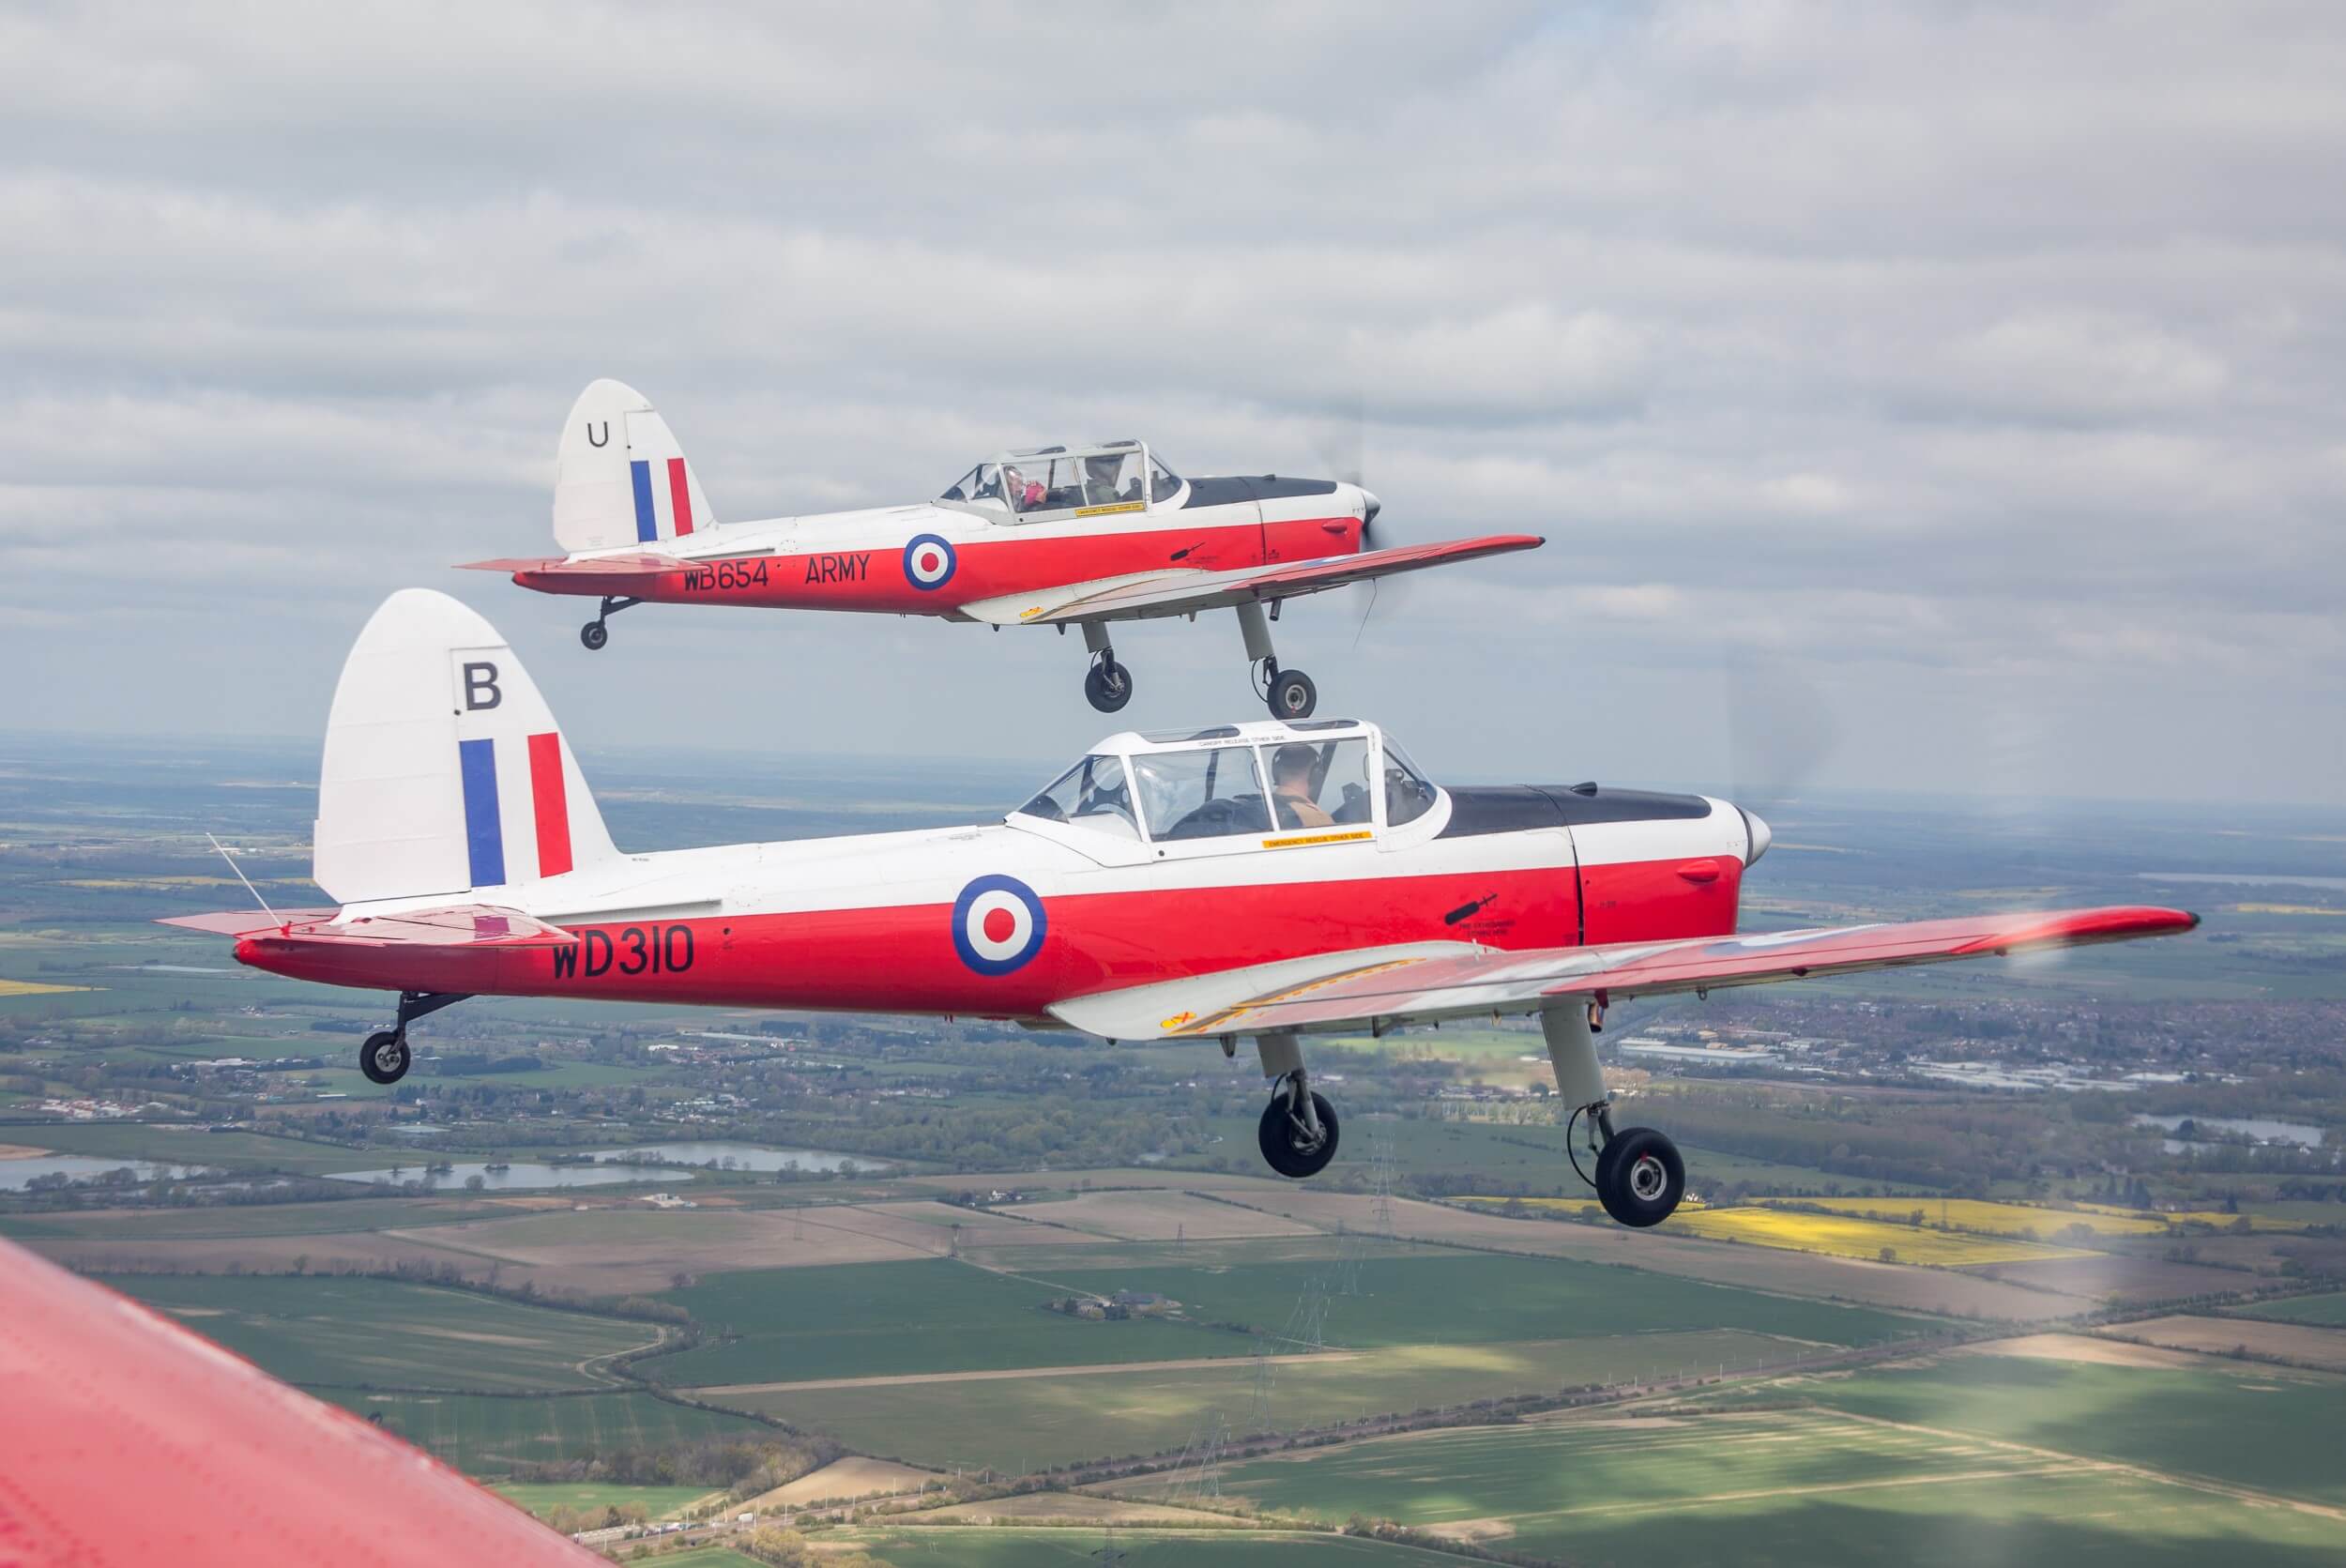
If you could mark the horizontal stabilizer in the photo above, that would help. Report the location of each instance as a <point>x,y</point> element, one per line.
<point>614,575</point>
<point>247,923</point>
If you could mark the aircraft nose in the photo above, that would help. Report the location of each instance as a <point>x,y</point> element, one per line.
<point>1370,505</point>
<point>1759,835</point>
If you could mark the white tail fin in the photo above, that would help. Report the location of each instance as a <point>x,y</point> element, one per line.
<point>621,477</point>
<point>443,770</point>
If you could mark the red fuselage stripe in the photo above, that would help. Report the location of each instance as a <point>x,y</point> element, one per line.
<point>871,577</point>
<point>901,958</point>
<point>549,803</point>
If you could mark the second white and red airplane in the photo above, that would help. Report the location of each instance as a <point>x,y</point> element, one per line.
<point>1053,536</point>
<point>1262,881</point>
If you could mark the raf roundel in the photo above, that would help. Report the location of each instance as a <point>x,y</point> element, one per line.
<point>999,924</point>
<point>929,562</point>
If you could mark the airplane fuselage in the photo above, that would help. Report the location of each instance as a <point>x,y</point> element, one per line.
<point>1003,919</point>
<point>933,559</point>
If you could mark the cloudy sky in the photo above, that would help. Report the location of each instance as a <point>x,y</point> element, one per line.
<point>1919,397</point>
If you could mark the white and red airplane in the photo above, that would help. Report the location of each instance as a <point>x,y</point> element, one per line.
<point>1057,536</point>
<point>98,1393</point>
<point>1264,880</point>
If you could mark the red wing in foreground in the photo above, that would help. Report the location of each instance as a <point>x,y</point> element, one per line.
<point>128,1440</point>
<point>1399,988</point>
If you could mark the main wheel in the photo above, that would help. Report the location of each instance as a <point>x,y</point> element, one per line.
<point>1640,1177</point>
<point>384,1058</point>
<point>1287,1147</point>
<point>1109,685</point>
<point>594,634</point>
<point>1293,696</point>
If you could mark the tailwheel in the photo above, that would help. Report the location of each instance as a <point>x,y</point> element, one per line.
<point>1109,685</point>
<point>385,1058</point>
<point>1292,696</point>
<point>595,633</point>
<point>1639,1177</point>
<point>1298,1142</point>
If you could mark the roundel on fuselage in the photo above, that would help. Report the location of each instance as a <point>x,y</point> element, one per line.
<point>999,924</point>
<point>929,562</point>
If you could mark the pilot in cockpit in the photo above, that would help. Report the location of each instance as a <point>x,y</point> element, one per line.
<point>1025,494</point>
<point>1101,473</point>
<point>1291,788</point>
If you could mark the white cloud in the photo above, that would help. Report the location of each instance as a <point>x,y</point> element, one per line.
<point>1982,363</point>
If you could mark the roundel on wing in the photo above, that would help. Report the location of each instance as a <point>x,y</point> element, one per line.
<point>999,924</point>
<point>929,562</point>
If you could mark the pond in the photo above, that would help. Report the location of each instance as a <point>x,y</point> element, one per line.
<point>745,1156</point>
<point>2262,1128</point>
<point>20,1172</point>
<point>649,1161</point>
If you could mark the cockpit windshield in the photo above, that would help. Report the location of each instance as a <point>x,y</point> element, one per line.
<point>1113,475</point>
<point>1092,794</point>
<point>1407,796</point>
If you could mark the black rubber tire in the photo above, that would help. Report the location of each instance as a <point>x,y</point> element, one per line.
<point>1277,1138</point>
<point>594,634</point>
<point>1109,685</point>
<point>1644,1179</point>
<point>371,1053</point>
<point>1292,696</point>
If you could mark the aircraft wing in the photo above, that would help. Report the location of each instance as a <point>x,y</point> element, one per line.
<point>130,1439</point>
<point>1182,593</point>
<point>1375,987</point>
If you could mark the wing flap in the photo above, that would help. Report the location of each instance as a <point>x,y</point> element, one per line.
<point>1184,593</point>
<point>1162,1008</point>
<point>1383,986</point>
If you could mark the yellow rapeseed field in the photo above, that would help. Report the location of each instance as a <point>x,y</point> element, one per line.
<point>34,988</point>
<point>2021,1221</point>
<point>1853,1236</point>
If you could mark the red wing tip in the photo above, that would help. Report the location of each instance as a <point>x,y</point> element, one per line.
<point>2112,924</point>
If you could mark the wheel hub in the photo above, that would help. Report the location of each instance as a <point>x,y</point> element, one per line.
<point>1647,1179</point>
<point>387,1056</point>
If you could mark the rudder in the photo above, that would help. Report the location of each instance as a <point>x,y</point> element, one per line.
<point>620,476</point>
<point>443,770</point>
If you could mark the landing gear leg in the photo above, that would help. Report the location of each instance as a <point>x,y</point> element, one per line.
<point>1108,684</point>
<point>594,633</point>
<point>385,1058</point>
<point>1639,1177</point>
<point>1299,1126</point>
<point>1288,693</point>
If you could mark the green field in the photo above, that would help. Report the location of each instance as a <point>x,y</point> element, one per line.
<point>1025,1423</point>
<point>1467,1297</point>
<point>483,1434</point>
<point>248,1219</point>
<point>353,1332</point>
<point>947,1546</point>
<point>864,1319</point>
<point>2278,1426</point>
<point>1788,1488</point>
<point>541,1498</point>
<point>2328,1311</point>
